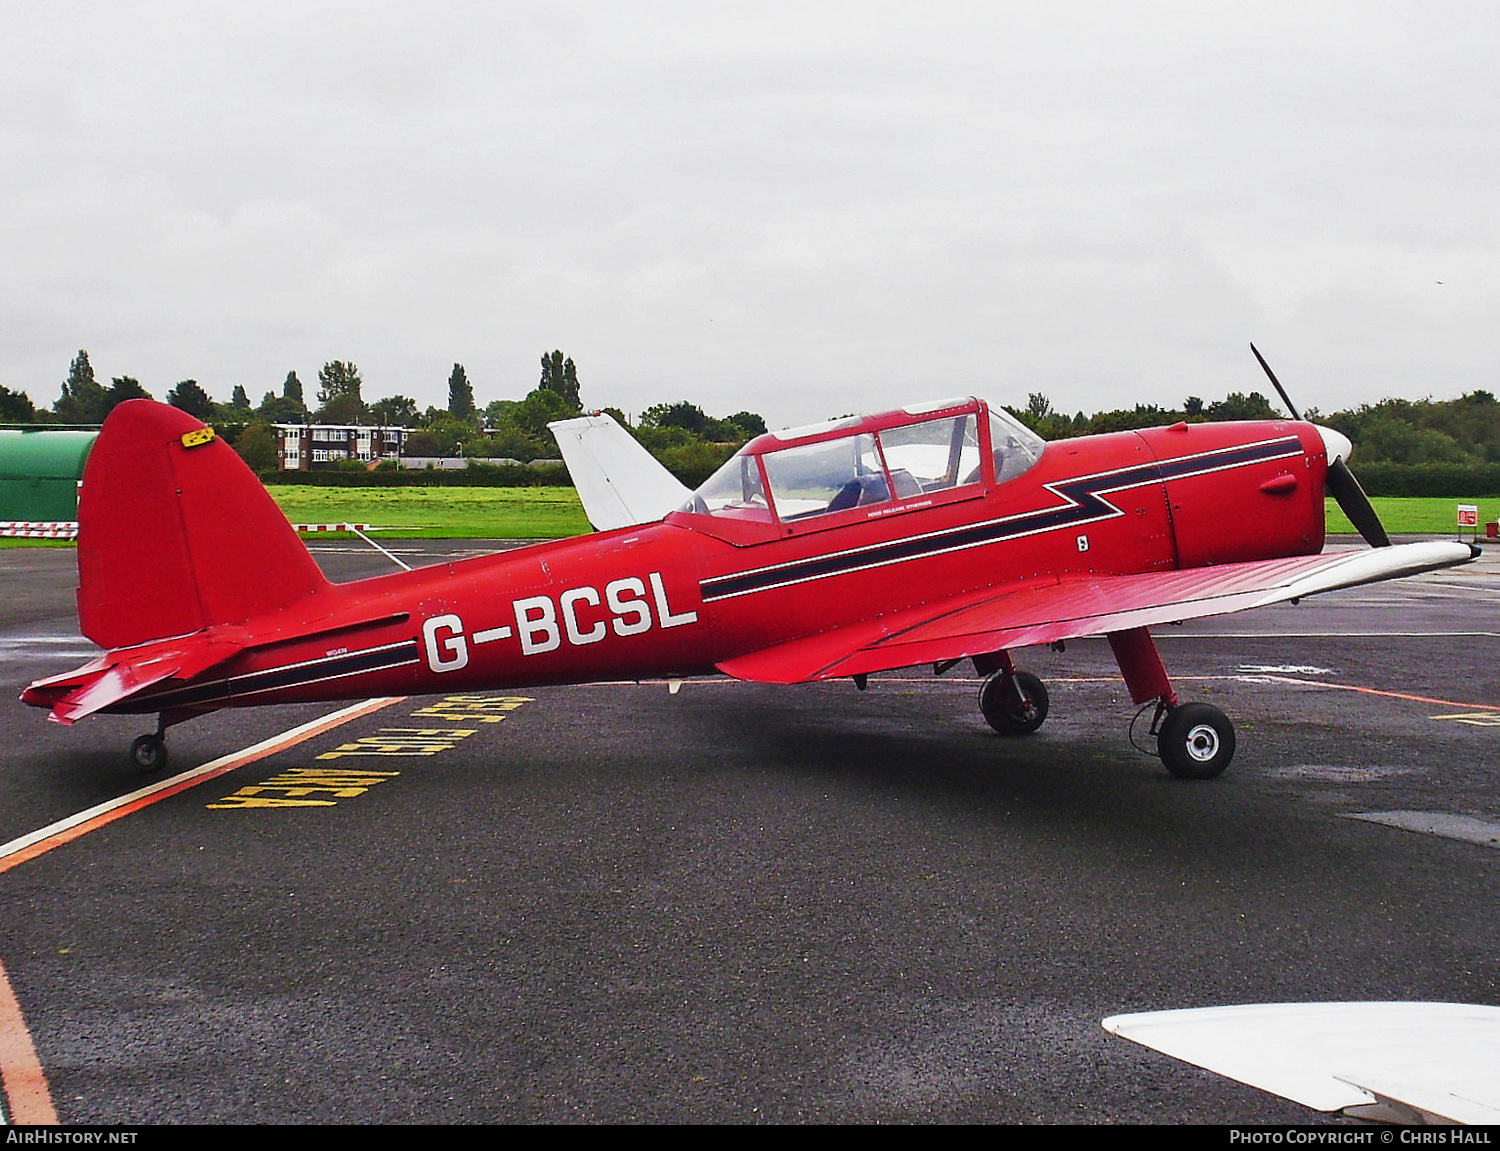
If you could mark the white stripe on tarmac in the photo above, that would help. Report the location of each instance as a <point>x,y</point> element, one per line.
<point>1464,828</point>
<point>195,775</point>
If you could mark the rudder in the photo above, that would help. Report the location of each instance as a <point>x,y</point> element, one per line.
<point>175,538</point>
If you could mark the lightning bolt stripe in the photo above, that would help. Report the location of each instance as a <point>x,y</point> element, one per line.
<point>1084,503</point>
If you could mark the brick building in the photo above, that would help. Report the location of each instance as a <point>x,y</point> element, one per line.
<point>303,447</point>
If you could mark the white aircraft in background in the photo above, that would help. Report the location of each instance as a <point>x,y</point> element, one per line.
<point>1391,1062</point>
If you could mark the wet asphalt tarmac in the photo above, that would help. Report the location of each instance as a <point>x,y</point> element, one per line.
<point>743,903</point>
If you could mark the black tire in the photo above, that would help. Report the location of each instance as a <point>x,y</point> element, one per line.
<point>1011,713</point>
<point>1196,741</point>
<point>149,753</point>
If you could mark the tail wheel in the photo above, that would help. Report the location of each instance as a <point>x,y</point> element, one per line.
<point>1013,705</point>
<point>149,753</point>
<point>1196,741</point>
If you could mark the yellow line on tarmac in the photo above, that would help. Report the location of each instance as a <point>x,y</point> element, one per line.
<point>43,840</point>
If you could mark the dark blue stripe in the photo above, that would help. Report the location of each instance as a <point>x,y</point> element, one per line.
<point>1086,505</point>
<point>272,678</point>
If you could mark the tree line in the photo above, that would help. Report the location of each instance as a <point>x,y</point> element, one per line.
<point>1447,448</point>
<point>1461,431</point>
<point>1394,440</point>
<point>687,440</point>
<point>1039,416</point>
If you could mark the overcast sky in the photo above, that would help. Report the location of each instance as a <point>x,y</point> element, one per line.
<point>802,209</point>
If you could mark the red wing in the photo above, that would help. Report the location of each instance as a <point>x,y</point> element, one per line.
<point>1038,612</point>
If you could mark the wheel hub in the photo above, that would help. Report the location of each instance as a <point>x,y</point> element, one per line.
<point>1202,742</point>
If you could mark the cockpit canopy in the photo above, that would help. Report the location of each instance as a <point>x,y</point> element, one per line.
<point>803,473</point>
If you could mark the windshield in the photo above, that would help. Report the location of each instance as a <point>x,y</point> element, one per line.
<point>805,481</point>
<point>734,490</point>
<point>1015,446</point>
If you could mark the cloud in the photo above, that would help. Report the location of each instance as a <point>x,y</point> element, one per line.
<point>804,207</point>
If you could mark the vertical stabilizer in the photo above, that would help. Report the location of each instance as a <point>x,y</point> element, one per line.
<point>176,534</point>
<point>619,482</point>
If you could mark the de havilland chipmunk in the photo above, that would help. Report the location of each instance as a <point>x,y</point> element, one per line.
<point>932,534</point>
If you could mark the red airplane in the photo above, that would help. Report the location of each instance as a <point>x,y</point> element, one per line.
<point>927,535</point>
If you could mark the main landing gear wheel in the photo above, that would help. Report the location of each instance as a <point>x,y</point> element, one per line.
<point>1196,741</point>
<point>1013,705</point>
<point>149,753</point>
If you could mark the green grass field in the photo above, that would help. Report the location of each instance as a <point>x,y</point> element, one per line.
<point>440,513</point>
<point>554,513</point>
<point>1418,515</point>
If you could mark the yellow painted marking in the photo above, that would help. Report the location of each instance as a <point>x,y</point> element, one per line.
<point>472,708</point>
<point>1476,718</point>
<point>298,783</point>
<point>327,777</point>
<point>403,741</point>
<point>193,439</point>
<point>27,1096</point>
<point>325,786</point>
<point>18,851</point>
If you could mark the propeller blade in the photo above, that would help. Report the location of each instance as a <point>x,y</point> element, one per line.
<point>1275,383</point>
<point>1340,482</point>
<point>1351,498</point>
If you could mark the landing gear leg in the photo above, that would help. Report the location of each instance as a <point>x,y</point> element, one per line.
<point>149,752</point>
<point>1013,702</point>
<point>1194,740</point>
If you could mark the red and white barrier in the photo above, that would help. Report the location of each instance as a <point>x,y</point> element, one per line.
<point>39,529</point>
<point>68,529</point>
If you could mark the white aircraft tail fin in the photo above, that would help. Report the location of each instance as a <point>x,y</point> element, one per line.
<point>619,482</point>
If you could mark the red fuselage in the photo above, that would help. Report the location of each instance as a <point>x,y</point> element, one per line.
<point>684,595</point>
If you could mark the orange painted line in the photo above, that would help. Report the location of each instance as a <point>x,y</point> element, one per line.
<point>1256,676</point>
<point>1259,676</point>
<point>28,1098</point>
<point>39,842</point>
<point>951,679</point>
<point>1373,691</point>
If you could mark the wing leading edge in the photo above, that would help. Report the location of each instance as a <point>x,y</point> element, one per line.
<point>1036,612</point>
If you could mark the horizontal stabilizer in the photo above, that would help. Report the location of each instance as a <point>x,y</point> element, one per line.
<point>1438,1060</point>
<point>116,677</point>
<point>1046,610</point>
<point>619,482</point>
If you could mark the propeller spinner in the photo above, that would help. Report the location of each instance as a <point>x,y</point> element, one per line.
<point>1340,482</point>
